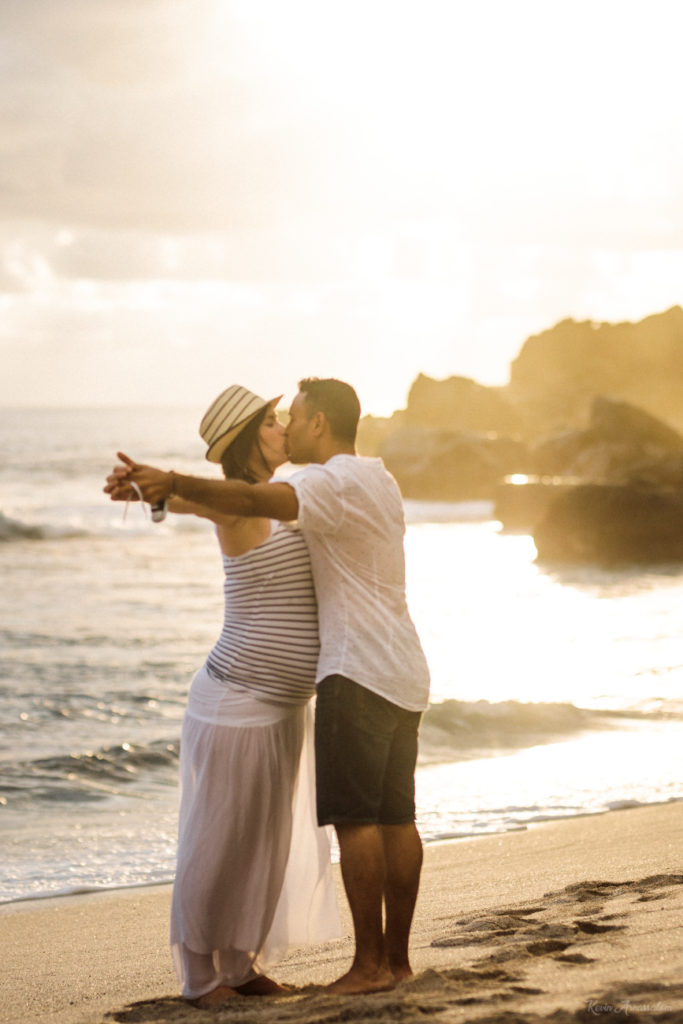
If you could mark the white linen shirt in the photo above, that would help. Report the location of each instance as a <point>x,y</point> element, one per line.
<point>351,516</point>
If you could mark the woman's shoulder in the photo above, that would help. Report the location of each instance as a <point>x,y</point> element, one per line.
<point>271,536</point>
<point>242,535</point>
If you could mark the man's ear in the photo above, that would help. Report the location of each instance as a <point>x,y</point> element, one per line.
<point>319,423</point>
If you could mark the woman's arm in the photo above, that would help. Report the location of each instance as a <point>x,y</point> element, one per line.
<point>179,506</point>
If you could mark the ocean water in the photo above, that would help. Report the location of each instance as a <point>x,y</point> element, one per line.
<point>555,692</point>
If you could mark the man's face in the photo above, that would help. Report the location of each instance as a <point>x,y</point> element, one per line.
<point>300,442</point>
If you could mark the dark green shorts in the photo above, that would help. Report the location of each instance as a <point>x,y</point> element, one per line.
<point>365,754</point>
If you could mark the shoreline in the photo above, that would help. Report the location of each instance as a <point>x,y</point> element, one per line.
<point>569,915</point>
<point>77,891</point>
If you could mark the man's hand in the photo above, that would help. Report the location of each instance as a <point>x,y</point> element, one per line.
<point>154,484</point>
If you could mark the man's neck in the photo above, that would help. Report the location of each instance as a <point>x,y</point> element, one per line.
<point>335,448</point>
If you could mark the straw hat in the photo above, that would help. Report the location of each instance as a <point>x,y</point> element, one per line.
<point>227,416</point>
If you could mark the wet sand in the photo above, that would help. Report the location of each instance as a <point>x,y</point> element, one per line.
<point>571,920</point>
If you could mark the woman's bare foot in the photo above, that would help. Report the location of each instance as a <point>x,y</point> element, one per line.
<point>213,999</point>
<point>261,986</point>
<point>356,981</point>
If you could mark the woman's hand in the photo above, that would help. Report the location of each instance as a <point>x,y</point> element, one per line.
<point>155,484</point>
<point>118,485</point>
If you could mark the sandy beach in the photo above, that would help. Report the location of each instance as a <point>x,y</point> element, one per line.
<point>568,920</point>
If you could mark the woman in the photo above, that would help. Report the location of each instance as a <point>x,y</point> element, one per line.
<point>253,873</point>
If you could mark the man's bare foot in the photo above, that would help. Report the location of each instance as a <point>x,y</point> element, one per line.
<point>261,986</point>
<point>356,981</point>
<point>213,999</point>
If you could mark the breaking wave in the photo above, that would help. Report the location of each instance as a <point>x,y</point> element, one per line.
<point>464,730</point>
<point>86,776</point>
<point>13,529</point>
<point>451,731</point>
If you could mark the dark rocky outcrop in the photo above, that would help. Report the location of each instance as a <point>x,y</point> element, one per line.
<point>621,445</point>
<point>521,502</point>
<point>444,465</point>
<point>588,405</point>
<point>611,525</point>
<point>620,442</point>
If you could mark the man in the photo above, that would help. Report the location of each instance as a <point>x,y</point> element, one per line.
<point>372,677</point>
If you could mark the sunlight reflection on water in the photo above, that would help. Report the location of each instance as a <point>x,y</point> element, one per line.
<point>498,626</point>
<point>589,774</point>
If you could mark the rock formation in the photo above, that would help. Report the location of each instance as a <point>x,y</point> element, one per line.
<point>448,465</point>
<point>558,372</point>
<point>620,444</point>
<point>612,525</point>
<point>588,405</point>
<point>460,404</point>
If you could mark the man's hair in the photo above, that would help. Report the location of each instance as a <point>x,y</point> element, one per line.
<point>338,401</point>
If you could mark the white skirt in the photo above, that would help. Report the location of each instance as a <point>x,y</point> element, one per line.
<point>253,876</point>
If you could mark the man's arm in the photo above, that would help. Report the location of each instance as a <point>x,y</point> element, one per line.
<point>237,498</point>
<point>228,497</point>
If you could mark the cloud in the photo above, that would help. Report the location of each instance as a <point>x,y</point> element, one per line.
<point>371,188</point>
<point>508,123</point>
<point>110,116</point>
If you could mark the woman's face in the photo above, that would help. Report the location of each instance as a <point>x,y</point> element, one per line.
<point>272,441</point>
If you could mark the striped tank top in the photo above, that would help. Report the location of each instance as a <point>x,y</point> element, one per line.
<point>269,642</point>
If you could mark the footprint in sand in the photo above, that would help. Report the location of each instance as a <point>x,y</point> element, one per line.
<point>517,933</point>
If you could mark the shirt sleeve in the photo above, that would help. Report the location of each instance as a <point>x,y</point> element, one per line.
<point>319,493</point>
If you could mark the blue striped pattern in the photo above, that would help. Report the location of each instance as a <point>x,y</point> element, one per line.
<point>269,641</point>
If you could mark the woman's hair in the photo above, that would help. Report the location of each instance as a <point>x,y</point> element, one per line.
<point>235,458</point>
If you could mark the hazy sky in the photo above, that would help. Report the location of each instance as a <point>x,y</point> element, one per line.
<point>198,192</point>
